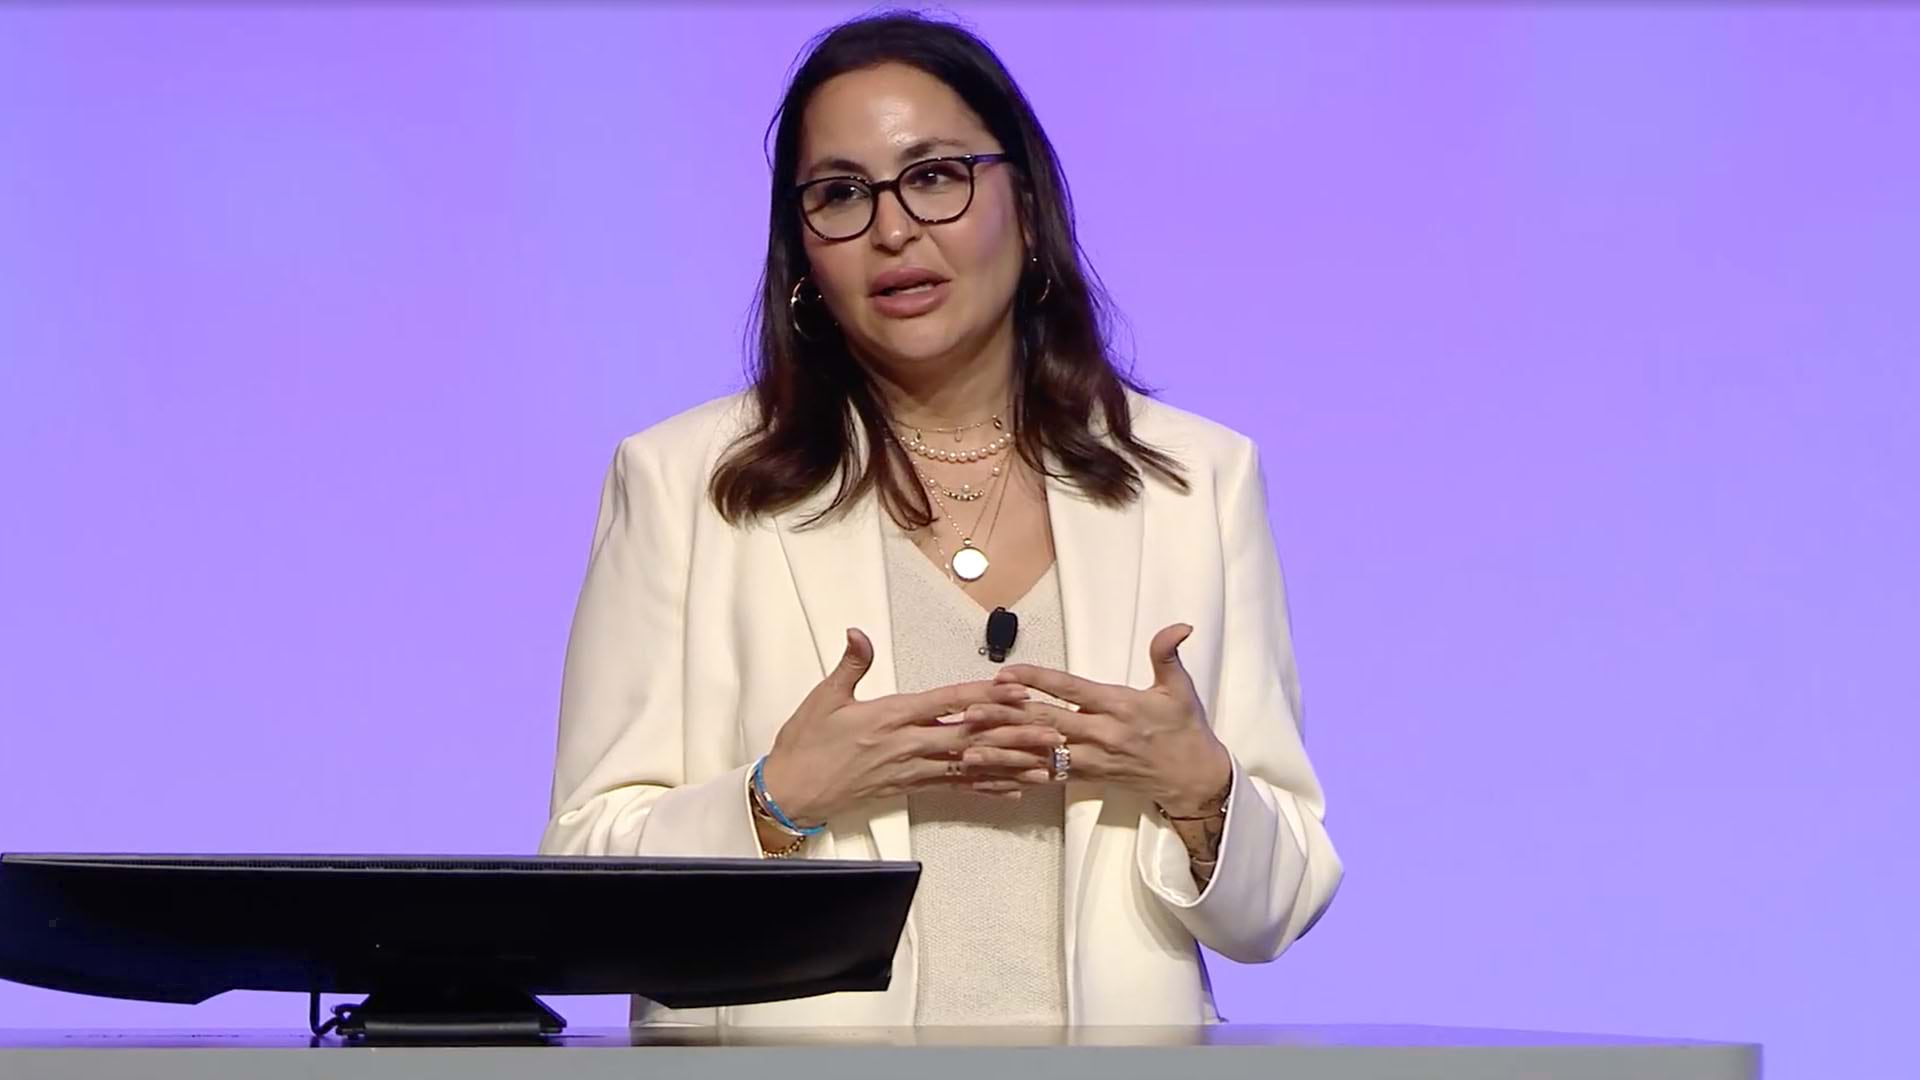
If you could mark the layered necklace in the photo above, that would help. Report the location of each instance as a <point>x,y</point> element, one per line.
<point>969,561</point>
<point>915,442</point>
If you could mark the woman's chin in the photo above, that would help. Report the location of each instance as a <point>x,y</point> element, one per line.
<point>915,343</point>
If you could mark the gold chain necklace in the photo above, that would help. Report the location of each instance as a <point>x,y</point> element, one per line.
<point>956,430</point>
<point>970,563</point>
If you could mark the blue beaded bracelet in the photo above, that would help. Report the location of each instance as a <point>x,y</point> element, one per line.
<point>766,800</point>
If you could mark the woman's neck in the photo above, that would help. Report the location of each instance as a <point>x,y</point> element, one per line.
<point>948,394</point>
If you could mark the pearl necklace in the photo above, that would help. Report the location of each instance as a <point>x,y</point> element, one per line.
<point>917,444</point>
<point>967,493</point>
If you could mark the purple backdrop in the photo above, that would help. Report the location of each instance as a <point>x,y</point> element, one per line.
<point>1581,342</point>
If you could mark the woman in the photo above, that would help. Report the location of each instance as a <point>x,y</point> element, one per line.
<point>779,648</point>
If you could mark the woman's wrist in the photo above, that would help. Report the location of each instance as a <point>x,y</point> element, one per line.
<point>774,786</point>
<point>1200,820</point>
<point>1206,796</point>
<point>775,842</point>
<point>768,807</point>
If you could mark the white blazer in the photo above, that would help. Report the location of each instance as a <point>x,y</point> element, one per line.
<point>694,640</point>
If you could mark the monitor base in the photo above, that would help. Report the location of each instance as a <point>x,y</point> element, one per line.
<point>439,1014</point>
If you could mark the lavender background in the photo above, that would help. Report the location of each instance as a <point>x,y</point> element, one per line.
<point>1580,340</point>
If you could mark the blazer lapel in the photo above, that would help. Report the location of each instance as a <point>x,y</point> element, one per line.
<point>1098,553</point>
<point>841,580</point>
<point>837,571</point>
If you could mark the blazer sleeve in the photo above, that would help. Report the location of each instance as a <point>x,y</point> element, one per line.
<point>1276,870</point>
<point>620,784</point>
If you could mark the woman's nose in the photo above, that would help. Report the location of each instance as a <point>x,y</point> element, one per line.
<point>892,225</point>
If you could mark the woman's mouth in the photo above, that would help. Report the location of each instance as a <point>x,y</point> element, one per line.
<point>912,300</point>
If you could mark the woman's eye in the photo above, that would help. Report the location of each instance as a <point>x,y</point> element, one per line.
<point>840,193</point>
<point>934,176</point>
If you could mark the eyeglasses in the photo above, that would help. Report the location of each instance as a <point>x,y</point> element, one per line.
<point>932,192</point>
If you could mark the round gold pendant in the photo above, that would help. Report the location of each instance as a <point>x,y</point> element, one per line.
<point>969,563</point>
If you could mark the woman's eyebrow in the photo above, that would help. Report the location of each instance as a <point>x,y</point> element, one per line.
<point>911,152</point>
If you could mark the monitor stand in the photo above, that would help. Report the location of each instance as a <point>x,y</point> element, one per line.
<point>439,1013</point>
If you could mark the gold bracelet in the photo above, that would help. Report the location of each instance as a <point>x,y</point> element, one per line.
<point>785,852</point>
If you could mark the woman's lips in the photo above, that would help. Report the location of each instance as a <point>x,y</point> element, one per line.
<point>918,301</point>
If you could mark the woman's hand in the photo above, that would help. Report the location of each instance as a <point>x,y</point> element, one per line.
<point>1155,740</point>
<point>835,752</point>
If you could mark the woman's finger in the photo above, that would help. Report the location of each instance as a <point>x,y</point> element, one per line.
<point>931,741</point>
<point>917,772</point>
<point>995,787</point>
<point>1093,726</point>
<point>1072,688</point>
<point>928,706</point>
<point>992,714</point>
<point>1025,778</point>
<point>1035,738</point>
<point>994,758</point>
<point>1078,727</point>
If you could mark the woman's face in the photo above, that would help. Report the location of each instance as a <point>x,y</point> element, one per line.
<point>870,124</point>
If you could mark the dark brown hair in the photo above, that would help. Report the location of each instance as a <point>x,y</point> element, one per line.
<point>803,433</point>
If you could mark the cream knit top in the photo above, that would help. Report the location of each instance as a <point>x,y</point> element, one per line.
<point>987,916</point>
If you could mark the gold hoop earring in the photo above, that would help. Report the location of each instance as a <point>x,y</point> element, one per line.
<point>1046,287</point>
<point>793,310</point>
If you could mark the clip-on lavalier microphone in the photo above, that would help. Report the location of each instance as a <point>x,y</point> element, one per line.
<point>1002,627</point>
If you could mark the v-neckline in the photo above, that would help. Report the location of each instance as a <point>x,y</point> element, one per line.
<point>953,589</point>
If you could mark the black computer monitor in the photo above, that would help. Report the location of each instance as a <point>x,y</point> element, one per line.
<point>445,946</point>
